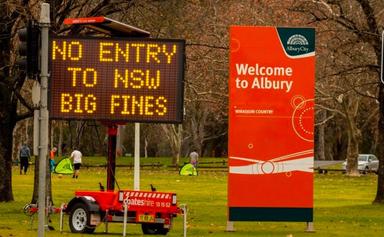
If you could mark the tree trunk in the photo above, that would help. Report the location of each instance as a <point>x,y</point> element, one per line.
<point>145,147</point>
<point>52,134</point>
<point>380,150</point>
<point>174,134</point>
<point>352,155</point>
<point>6,162</point>
<point>48,188</point>
<point>17,140</point>
<point>26,131</point>
<point>178,143</point>
<point>7,124</point>
<point>198,122</point>
<point>320,146</point>
<point>60,143</point>
<point>351,107</point>
<point>353,148</point>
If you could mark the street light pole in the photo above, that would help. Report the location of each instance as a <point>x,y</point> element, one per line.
<point>44,24</point>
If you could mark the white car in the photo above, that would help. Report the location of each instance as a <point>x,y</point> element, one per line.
<point>366,163</point>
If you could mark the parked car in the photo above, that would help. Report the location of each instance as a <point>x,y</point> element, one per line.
<point>366,163</point>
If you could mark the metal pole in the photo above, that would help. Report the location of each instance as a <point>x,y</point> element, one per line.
<point>36,136</point>
<point>118,141</point>
<point>111,166</point>
<point>106,220</point>
<point>61,216</point>
<point>125,217</point>
<point>44,24</point>
<point>36,88</point>
<point>136,174</point>
<point>184,208</point>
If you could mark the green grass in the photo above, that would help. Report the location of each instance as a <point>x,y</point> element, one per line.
<point>342,205</point>
<point>164,161</point>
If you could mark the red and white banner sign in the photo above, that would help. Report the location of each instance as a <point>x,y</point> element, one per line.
<point>271,123</point>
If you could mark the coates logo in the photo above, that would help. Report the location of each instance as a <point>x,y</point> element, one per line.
<point>298,43</point>
<point>136,202</point>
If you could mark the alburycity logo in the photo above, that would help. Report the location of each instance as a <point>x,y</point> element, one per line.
<point>297,43</point>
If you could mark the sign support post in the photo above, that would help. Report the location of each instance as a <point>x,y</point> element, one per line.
<point>44,23</point>
<point>310,227</point>
<point>136,175</point>
<point>230,226</point>
<point>112,133</point>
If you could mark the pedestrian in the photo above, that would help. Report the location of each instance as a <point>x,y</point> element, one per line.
<point>52,162</point>
<point>25,154</point>
<point>76,156</point>
<point>194,158</point>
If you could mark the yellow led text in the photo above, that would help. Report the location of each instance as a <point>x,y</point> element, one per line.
<point>141,105</point>
<point>153,51</point>
<point>104,52</point>
<point>72,50</point>
<point>136,52</point>
<point>88,76</point>
<point>169,54</point>
<point>136,79</point>
<point>78,103</point>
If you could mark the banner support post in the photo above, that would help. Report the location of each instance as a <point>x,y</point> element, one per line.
<point>310,227</point>
<point>230,226</point>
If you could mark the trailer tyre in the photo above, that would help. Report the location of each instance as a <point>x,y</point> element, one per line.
<point>79,219</point>
<point>154,229</point>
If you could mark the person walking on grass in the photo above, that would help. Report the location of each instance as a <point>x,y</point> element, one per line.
<point>52,162</point>
<point>76,156</point>
<point>25,154</point>
<point>194,158</point>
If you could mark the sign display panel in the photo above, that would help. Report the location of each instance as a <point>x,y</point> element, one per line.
<point>271,124</point>
<point>119,79</point>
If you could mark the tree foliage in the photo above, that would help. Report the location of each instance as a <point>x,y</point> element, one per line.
<point>350,70</point>
<point>349,95</point>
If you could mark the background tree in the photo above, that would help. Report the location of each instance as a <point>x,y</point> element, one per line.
<point>11,82</point>
<point>349,96</point>
<point>14,16</point>
<point>355,28</point>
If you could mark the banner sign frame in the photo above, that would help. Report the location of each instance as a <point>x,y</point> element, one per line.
<point>271,124</point>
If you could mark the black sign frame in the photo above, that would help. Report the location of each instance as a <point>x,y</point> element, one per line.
<point>154,66</point>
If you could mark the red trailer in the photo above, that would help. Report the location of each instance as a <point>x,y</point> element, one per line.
<point>153,210</point>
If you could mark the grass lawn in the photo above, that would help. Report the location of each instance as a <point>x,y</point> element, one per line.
<point>342,205</point>
<point>148,162</point>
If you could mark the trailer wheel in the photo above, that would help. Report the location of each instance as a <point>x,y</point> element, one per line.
<point>79,219</point>
<point>154,229</point>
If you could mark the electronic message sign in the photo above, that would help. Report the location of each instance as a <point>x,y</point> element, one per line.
<point>271,124</point>
<point>117,79</point>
